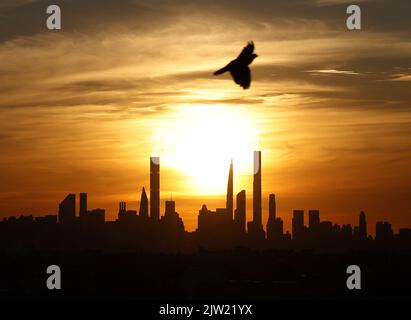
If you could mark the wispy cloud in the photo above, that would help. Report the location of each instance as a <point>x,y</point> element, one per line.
<point>402,77</point>
<point>333,71</point>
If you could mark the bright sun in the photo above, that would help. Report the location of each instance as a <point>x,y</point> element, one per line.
<point>200,140</point>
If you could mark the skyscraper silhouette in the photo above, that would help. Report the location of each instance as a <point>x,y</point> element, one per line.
<point>155,188</point>
<point>313,219</point>
<point>143,212</point>
<point>170,207</point>
<point>257,190</point>
<point>255,227</point>
<point>172,219</point>
<point>275,230</point>
<point>272,210</point>
<point>122,209</point>
<point>271,216</point>
<point>240,211</point>
<point>229,200</point>
<point>67,209</point>
<point>278,229</point>
<point>298,224</point>
<point>362,229</point>
<point>83,205</point>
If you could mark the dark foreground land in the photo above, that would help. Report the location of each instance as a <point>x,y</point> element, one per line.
<point>236,274</point>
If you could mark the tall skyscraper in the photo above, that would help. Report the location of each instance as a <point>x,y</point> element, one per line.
<point>155,188</point>
<point>229,200</point>
<point>255,227</point>
<point>143,212</point>
<point>272,210</point>
<point>271,216</point>
<point>298,223</point>
<point>240,217</point>
<point>67,209</point>
<point>83,205</point>
<point>313,219</point>
<point>257,190</point>
<point>170,207</point>
<point>362,230</point>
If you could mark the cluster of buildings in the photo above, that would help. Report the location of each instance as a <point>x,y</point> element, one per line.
<point>223,228</point>
<point>146,214</point>
<point>229,226</point>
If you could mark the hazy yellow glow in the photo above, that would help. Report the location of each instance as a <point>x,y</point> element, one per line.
<point>200,140</point>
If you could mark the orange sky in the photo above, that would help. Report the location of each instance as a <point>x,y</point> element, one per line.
<point>82,109</point>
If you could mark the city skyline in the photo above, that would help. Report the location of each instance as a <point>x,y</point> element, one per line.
<point>82,107</point>
<point>155,251</point>
<point>199,157</point>
<point>249,221</point>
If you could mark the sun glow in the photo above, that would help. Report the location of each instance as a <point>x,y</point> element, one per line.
<point>200,140</point>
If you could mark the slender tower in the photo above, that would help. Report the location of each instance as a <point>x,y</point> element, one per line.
<point>271,222</point>
<point>143,204</point>
<point>240,218</point>
<point>257,190</point>
<point>83,205</point>
<point>272,211</point>
<point>229,201</point>
<point>155,188</point>
<point>363,226</point>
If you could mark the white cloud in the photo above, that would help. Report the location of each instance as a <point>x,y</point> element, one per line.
<point>333,71</point>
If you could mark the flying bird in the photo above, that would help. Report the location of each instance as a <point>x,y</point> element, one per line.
<point>239,67</point>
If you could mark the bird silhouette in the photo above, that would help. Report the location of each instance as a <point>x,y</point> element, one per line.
<point>239,67</point>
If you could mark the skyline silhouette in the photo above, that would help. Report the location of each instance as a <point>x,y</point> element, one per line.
<point>270,177</point>
<point>330,108</point>
<point>224,228</point>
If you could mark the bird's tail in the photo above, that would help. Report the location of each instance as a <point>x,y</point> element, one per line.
<point>222,70</point>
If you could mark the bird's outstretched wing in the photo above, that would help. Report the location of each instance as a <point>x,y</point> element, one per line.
<point>242,76</point>
<point>247,50</point>
<point>222,70</point>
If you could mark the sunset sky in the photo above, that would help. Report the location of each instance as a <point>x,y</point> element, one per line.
<point>82,109</point>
